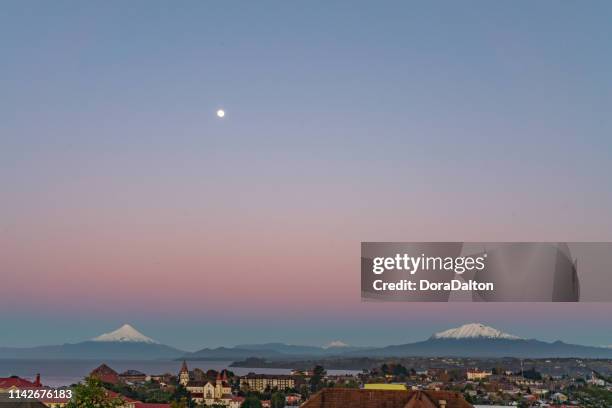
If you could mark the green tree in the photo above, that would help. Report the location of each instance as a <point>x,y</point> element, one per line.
<point>181,394</point>
<point>304,391</point>
<point>277,400</point>
<point>91,394</point>
<point>251,402</point>
<point>316,380</point>
<point>179,404</point>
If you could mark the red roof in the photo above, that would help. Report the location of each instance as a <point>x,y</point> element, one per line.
<point>105,374</point>
<point>137,404</point>
<point>17,382</point>
<point>354,398</point>
<point>114,394</point>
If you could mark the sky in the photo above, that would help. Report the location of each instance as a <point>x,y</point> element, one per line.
<point>125,199</point>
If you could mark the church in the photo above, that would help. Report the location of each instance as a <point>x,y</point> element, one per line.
<point>208,392</point>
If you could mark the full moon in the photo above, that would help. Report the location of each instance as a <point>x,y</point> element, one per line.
<point>220,113</point>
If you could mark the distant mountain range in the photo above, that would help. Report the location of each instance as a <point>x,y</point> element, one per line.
<point>469,340</point>
<point>272,351</point>
<point>123,343</point>
<point>478,340</point>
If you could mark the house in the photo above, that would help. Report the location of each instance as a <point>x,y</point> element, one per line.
<point>559,397</point>
<point>132,403</point>
<point>6,402</point>
<point>105,374</point>
<point>236,402</point>
<point>354,398</point>
<point>17,383</point>
<point>293,399</point>
<point>127,402</point>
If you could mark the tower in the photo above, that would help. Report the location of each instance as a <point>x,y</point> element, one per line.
<point>218,386</point>
<point>184,374</point>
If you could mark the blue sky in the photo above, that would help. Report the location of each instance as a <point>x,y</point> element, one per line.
<point>124,199</point>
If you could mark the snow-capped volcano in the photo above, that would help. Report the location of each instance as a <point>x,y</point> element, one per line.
<point>474,331</point>
<point>125,333</point>
<point>336,344</point>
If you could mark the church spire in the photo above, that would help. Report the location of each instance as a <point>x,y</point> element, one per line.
<point>184,374</point>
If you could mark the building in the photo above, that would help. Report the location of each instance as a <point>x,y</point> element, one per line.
<point>133,376</point>
<point>332,398</point>
<point>596,381</point>
<point>475,374</point>
<point>353,398</point>
<point>17,383</point>
<point>184,374</point>
<point>6,402</point>
<point>132,403</point>
<point>293,399</point>
<point>105,374</point>
<point>559,397</point>
<point>162,378</point>
<point>384,386</point>
<point>127,402</point>
<point>236,402</point>
<point>207,392</point>
<point>261,382</point>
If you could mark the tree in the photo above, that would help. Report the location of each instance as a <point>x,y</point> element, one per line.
<point>304,391</point>
<point>179,404</point>
<point>182,395</point>
<point>91,394</point>
<point>399,370</point>
<point>251,402</point>
<point>317,378</point>
<point>277,400</point>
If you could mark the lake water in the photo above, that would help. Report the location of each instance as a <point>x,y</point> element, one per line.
<point>56,373</point>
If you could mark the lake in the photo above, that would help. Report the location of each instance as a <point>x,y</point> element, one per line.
<point>56,373</point>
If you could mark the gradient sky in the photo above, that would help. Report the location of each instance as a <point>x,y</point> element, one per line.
<point>125,199</point>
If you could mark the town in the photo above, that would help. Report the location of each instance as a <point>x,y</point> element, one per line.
<point>431,382</point>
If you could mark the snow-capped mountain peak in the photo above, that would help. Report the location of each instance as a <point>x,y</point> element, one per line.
<point>474,331</point>
<point>125,333</point>
<point>336,344</point>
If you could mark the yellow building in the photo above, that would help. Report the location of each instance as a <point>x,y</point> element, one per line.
<point>259,382</point>
<point>388,387</point>
<point>476,374</point>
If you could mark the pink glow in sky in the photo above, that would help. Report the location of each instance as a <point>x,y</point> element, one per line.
<point>124,199</point>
